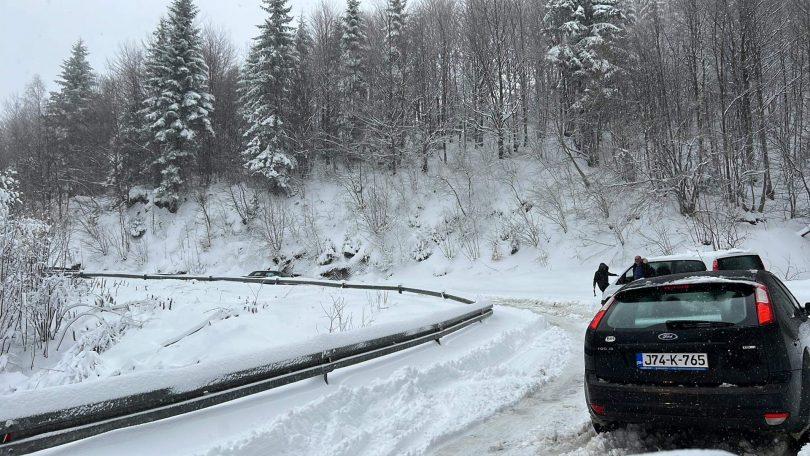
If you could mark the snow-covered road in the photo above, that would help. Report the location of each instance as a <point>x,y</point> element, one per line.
<point>399,404</point>
<point>552,410</point>
<point>512,385</point>
<point>553,420</point>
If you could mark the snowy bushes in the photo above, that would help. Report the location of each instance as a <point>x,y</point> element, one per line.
<point>243,201</point>
<point>715,224</point>
<point>32,306</point>
<point>274,224</point>
<point>24,250</point>
<point>370,199</point>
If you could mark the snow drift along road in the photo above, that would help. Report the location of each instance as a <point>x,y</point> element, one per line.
<point>398,404</point>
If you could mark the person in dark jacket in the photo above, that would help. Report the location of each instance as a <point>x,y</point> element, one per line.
<point>642,269</point>
<point>601,278</point>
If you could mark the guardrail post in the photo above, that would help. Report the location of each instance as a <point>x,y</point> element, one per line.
<point>399,288</point>
<point>443,295</point>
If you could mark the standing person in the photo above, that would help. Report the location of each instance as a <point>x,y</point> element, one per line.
<point>648,270</point>
<point>638,268</point>
<point>601,278</point>
<point>642,268</point>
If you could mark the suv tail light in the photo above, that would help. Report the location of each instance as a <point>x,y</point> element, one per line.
<point>775,419</point>
<point>715,265</point>
<point>765,314</point>
<point>599,315</point>
<point>600,410</point>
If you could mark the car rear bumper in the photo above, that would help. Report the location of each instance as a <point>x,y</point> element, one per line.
<point>696,407</point>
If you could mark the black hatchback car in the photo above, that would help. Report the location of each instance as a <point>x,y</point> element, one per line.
<point>706,349</point>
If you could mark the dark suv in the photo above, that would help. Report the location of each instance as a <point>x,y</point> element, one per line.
<point>705,349</point>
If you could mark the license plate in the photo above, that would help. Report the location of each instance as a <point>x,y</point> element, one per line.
<point>672,361</point>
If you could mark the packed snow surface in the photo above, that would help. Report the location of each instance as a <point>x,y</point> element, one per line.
<point>399,404</point>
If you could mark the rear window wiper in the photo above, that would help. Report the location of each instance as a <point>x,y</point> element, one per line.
<point>682,324</point>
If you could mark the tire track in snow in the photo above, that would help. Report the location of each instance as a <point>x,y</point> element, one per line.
<point>405,411</point>
<point>554,420</point>
<point>553,409</point>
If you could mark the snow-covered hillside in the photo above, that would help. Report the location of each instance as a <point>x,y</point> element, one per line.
<point>411,226</point>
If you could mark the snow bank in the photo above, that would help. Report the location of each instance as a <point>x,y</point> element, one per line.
<point>398,404</point>
<point>415,406</point>
<point>190,377</point>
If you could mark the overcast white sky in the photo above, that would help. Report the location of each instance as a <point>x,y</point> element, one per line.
<point>36,35</point>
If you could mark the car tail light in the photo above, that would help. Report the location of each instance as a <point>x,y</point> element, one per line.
<point>7,438</point>
<point>599,315</point>
<point>715,265</point>
<point>765,314</point>
<point>772,419</point>
<point>600,410</point>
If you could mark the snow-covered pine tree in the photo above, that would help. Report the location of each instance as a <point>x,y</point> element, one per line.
<point>302,107</point>
<point>70,116</point>
<point>352,84</point>
<point>588,46</point>
<point>395,105</point>
<point>178,107</point>
<point>395,36</point>
<point>265,93</point>
<point>77,84</point>
<point>9,194</point>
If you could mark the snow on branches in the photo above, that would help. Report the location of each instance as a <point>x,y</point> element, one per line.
<point>265,90</point>
<point>179,104</point>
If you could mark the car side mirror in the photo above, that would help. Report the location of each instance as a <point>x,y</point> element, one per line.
<point>807,308</point>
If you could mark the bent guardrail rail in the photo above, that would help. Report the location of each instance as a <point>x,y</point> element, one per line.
<point>44,430</point>
<point>276,281</point>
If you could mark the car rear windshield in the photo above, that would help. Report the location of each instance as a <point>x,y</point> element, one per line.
<point>741,262</point>
<point>704,303</point>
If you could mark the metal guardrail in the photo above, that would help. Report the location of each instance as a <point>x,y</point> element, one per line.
<point>32,433</point>
<point>278,281</point>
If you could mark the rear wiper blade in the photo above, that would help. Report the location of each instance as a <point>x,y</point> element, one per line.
<point>674,324</point>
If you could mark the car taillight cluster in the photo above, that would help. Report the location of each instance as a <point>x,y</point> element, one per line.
<point>599,315</point>
<point>715,265</point>
<point>777,418</point>
<point>765,314</point>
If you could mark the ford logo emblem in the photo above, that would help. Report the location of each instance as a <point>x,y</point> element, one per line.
<point>667,336</point>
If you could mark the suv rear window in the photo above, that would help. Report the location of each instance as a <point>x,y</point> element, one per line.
<point>677,266</point>
<point>706,302</point>
<point>741,262</point>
